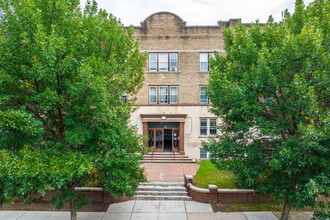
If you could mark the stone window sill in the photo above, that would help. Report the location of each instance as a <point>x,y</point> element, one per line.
<point>207,136</point>
<point>153,72</point>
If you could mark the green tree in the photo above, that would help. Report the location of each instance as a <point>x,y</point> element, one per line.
<point>271,90</point>
<point>63,72</point>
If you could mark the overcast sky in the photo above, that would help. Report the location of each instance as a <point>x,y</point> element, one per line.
<point>197,12</point>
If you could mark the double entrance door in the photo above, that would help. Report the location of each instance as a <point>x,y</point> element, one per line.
<point>164,136</point>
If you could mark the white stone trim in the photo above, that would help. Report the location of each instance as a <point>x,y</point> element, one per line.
<point>183,51</point>
<point>197,189</point>
<point>236,191</point>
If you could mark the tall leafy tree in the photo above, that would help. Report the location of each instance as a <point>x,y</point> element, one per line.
<point>63,72</point>
<point>272,91</point>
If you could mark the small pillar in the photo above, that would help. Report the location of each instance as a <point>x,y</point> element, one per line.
<point>213,194</point>
<point>188,179</point>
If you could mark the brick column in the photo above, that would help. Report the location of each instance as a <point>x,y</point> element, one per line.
<point>145,132</point>
<point>213,193</point>
<point>181,133</point>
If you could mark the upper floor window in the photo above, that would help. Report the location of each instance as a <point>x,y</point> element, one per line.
<point>203,99</point>
<point>163,95</point>
<point>204,61</point>
<point>163,61</point>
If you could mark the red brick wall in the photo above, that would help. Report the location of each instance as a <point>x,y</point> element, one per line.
<point>244,197</point>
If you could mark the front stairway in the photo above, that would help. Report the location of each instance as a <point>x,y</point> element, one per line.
<point>162,191</point>
<point>160,157</point>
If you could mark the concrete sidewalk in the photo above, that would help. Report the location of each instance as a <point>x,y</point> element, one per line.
<point>153,210</point>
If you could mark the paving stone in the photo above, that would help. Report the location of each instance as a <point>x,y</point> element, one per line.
<point>144,216</point>
<point>90,215</point>
<point>230,215</point>
<point>33,215</point>
<point>59,216</point>
<point>146,206</point>
<point>260,216</point>
<point>173,216</point>
<point>171,206</point>
<point>171,172</point>
<point>296,215</point>
<point>117,216</point>
<point>122,206</point>
<point>200,216</point>
<point>192,206</point>
<point>11,215</point>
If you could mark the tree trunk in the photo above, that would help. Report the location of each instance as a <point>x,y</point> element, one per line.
<point>286,210</point>
<point>73,212</point>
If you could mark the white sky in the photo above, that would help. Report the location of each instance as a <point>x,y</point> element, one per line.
<point>197,12</point>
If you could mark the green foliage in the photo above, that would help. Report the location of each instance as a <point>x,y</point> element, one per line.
<point>272,92</point>
<point>33,170</point>
<point>16,123</point>
<point>63,72</point>
<point>209,174</point>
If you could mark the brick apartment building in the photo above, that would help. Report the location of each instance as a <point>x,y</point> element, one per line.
<point>173,108</point>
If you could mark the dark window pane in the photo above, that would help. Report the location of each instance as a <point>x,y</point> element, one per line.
<point>159,139</point>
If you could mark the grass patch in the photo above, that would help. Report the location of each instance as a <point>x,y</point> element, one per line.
<point>209,174</point>
<point>255,207</point>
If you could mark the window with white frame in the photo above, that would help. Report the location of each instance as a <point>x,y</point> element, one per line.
<point>174,95</point>
<point>203,154</point>
<point>163,95</point>
<point>208,126</point>
<point>163,62</point>
<point>153,94</point>
<point>203,99</point>
<point>204,61</point>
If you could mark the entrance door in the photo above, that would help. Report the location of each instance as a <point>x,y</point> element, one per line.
<point>164,137</point>
<point>167,140</point>
<point>176,140</point>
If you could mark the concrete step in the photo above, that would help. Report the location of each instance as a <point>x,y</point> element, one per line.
<point>162,184</point>
<point>183,198</point>
<point>168,161</point>
<point>163,153</point>
<point>165,156</point>
<point>159,188</point>
<point>162,193</point>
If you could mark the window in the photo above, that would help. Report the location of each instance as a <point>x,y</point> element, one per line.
<point>203,99</point>
<point>153,94</point>
<point>208,126</point>
<point>163,95</point>
<point>174,95</point>
<point>204,61</point>
<point>152,62</point>
<point>173,61</point>
<point>163,62</point>
<point>267,99</point>
<point>203,154</point>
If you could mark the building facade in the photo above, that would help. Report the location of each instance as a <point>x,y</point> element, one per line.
<point>173,107</point>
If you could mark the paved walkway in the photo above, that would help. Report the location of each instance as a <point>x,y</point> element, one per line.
<point>153,210</point>
<point>169,172</point>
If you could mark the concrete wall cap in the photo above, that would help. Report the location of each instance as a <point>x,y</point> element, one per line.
<point>235,191</point>
<point>213,187</point>
<point>89,189</point>
<point>196,189</point>
<point>189,177</point>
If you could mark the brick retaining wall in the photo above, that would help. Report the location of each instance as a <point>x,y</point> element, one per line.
<point>96,194</point>
<point>215,195</point>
